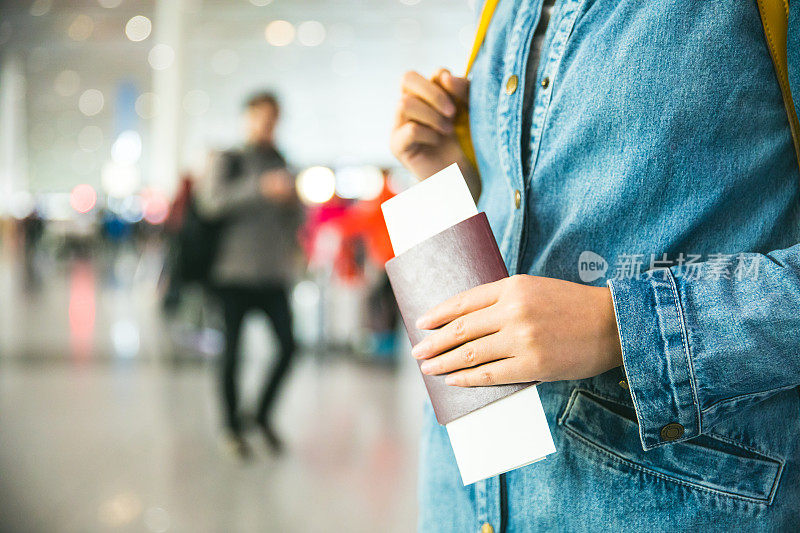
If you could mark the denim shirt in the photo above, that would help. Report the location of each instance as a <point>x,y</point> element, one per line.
<point>661,165</point>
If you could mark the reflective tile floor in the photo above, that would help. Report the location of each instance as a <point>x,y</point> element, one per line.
<point>97,438</point>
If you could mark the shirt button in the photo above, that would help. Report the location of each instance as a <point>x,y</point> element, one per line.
<point>511,84</point>
<point>545,83</point>
<point>517,198</point>
<point>672,431</point>
<point>487,528</point>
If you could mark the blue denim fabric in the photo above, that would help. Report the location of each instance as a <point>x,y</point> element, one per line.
<point>661,131</point>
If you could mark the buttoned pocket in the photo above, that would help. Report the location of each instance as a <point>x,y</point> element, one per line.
<point>708,463</point>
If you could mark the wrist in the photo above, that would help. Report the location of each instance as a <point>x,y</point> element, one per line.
<point>609,332</point>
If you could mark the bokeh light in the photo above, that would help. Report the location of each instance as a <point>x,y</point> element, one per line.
<point>125,338</point>
<point>279,33</point>
<point>147,105</point>
<point>83,198</point>
<point>91,102</point>
<point>155,206</point>
<point>131,209</point>
<point>81,28</point>
<point>138,28</point>
<point>359,182</point>
<point>311,33</point>
<point>161,56</point>
<point>127,149</point>
<point>119,180</point>
<point>316,185</point>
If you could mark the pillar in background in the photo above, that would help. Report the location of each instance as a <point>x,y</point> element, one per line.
<point>166,134</point>
<point>13,139</point>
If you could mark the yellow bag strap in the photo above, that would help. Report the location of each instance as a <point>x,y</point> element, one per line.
<point>775,19</point>
<point>480,34</point>
<point>461,125</point>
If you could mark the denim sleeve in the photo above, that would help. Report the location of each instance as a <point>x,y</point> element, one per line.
<point>696,349</point>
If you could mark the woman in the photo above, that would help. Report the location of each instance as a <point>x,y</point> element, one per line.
<point>638,171</point>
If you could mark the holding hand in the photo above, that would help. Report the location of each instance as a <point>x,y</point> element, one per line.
<point>521,329</point>
<point>422,138</point>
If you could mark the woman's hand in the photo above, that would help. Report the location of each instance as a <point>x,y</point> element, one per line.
<point>520,329</point>
<point>422,136</point>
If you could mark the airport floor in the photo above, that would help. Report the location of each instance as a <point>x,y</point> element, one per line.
<point>102,429</point>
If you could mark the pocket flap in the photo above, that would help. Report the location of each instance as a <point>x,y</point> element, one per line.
<point>706,462</point>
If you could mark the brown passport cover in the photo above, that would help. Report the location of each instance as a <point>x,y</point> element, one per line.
<point>461,257</point>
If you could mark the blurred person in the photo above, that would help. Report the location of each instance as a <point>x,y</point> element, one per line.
<point>32,231</point>
<point>616,130</point>
<point>363,221</point>
<point>250,192</point>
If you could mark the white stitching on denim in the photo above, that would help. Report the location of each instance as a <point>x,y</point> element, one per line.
<point>756,451</point>
<point>741,396</point>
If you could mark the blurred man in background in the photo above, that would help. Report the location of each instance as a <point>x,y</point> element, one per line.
<point>252,195</point>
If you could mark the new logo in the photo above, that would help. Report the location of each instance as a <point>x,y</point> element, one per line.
<point>591,266</point>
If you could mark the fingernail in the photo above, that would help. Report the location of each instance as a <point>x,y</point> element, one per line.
<point>426,367</point>
<point>446,75</point>
<point>449,109</point>
<point>451,380</point>
<point>422,322</point>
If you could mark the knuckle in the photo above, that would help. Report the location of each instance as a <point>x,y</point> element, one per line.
<point>412,130</point>
<point>528,333</point>
<point>459,329</point>
<point>517,280</point>
<point>515,309</point>
<point>468,355</point>
<point>487,378</point>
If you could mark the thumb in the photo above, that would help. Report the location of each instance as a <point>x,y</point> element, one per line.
<point>457,88</point>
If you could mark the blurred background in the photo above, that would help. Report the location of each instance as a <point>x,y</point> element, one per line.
<point>110,416</point>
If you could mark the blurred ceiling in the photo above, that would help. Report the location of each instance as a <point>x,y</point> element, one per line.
<point>337,77</point>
